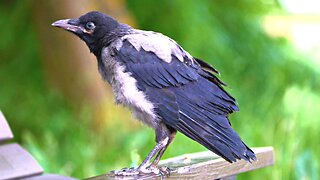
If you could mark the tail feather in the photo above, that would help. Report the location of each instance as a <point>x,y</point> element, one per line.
<point>215,141</point>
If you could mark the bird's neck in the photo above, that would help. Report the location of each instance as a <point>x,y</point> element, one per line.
<point>122,30</point>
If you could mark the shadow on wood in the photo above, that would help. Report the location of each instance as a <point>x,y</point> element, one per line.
<point>204,165</point>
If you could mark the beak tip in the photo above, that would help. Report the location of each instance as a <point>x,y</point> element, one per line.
<point>54,24</point>
<point>60,23</point>
<point>64,24</point>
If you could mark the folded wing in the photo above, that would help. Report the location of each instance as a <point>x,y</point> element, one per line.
<point>188,97</point>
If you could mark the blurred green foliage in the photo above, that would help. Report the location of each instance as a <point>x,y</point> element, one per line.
<point>276,91</point>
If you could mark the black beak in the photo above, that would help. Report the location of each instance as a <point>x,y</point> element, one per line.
<point>68,24</point>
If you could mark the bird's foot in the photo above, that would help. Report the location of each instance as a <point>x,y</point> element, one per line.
<point>163,171</point>
<point>126,172</point>
<point>152,169</point>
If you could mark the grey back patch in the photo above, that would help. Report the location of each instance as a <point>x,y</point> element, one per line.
<point>161,45</point>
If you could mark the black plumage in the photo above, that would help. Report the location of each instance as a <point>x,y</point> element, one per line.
<point>191,100</point>
<point>169,89</point>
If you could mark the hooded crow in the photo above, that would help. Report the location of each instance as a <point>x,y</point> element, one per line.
<point>163,85</point>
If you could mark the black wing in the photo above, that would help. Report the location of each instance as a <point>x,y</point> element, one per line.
<point>188,97</point>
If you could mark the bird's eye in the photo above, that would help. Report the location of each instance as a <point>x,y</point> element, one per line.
<point>90,26</point>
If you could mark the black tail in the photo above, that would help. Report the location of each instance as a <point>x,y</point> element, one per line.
<point>204,109</point>
<point>225,142</point>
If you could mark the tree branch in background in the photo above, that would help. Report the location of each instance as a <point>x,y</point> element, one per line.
<point>68,66</point>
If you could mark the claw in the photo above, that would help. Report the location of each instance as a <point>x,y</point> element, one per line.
<point>149,170</point>
<point>126,172</point>
<point>163,171</point>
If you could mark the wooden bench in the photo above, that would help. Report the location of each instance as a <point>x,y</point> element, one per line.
<point>205,165</point>
<point>16,162</point>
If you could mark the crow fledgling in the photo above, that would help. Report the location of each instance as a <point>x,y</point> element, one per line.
<point>164,86</point>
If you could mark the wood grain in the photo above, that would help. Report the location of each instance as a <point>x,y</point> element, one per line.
<point>49,177</point>
<point>204,165</point>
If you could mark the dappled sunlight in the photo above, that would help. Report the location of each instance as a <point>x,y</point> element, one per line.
<point>302,7</point>
<point>301,26</point>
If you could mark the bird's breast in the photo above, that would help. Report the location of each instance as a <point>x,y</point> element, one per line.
<point>125,89</point>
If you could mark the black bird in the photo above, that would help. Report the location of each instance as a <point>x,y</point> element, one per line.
<point>163,85</point>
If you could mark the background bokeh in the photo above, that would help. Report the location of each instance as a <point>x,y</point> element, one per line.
<point>60,110</point>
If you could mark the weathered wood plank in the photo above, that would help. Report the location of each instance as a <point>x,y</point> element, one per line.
<point>49,177</point>
<point>5,131</point>
<point>15,162</point>
<point>205,165</point>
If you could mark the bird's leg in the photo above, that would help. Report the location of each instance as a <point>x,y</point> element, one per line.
<point>162,139</point>
<point>153,167</point>
<point>167,134</point>
<point>159,155</point>
<point>146,166</point>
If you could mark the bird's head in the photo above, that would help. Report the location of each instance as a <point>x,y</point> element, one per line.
<point>95,28</point>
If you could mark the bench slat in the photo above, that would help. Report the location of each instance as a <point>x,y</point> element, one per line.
<point>205,165</point>
<point>5,131</point>
<point>49,177</point>
<point>16,162</point>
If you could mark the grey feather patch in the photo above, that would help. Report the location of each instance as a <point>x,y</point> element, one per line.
<point>161,45</point>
